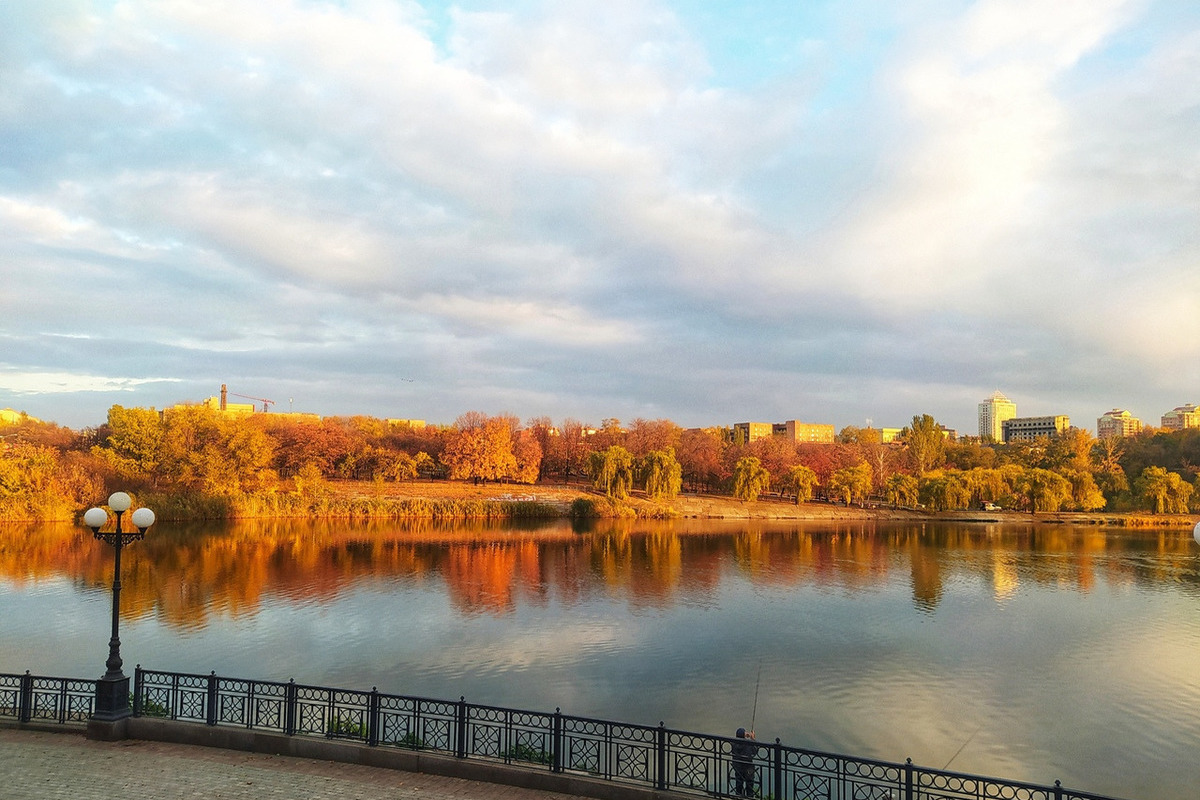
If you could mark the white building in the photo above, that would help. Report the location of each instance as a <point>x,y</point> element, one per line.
<point>992,414</point>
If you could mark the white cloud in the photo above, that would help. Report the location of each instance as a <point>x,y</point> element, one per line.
<point>36,383</point>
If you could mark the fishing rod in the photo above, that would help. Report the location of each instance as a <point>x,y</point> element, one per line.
<point>961,747</point>
<point>757,684</point>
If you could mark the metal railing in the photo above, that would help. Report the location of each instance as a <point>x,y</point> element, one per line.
<point>35,698</point>
<point>651,757</point>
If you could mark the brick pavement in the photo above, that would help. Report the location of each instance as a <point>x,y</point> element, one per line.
<point>36,765</point>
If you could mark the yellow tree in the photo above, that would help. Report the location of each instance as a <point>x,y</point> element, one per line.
<point>750,478</point>
<point>852,484</point>
<point>483,450</point>
<point>661,474</point>
<point>612,471</point>
<point>800,481</point>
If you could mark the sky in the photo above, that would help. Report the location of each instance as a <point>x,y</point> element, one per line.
<point>707,212</point>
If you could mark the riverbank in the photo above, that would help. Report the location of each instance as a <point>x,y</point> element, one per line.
<point>706,506</point>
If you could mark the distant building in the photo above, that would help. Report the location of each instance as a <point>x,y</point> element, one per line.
<point>809,432</point>
<point>992,414</point>
<point>418,424</point>
<point>1182,417</point>
<point>889,435</point>
<point>793,430</point>
<point>1020,429</point>
<point>233,409</point>
<point>1117,423</point>
<point>749,431</point>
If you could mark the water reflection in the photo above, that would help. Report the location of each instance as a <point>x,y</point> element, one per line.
<point>185,574</point>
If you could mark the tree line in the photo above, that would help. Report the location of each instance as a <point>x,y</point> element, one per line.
<point>196,458</point>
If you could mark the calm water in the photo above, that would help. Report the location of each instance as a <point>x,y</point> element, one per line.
<point>1029,654</point>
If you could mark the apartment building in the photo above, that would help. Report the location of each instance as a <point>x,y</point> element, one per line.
<point>1181,417</point>
<point>792,430</point>
<point>1117,423</point>
<point>1028,428</point>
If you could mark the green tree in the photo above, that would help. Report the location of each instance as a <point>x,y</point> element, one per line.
<point>945,490</point>
<point>611,471</point>
<point>901,490</point>
<point>852,484</point>
<point>1162,491</point>
<point>800,481</point>
<point>661,474</point>
<point>1085,494</point>
<point>750,479</point>
<point>926,444</point>
<point>1043,490</point>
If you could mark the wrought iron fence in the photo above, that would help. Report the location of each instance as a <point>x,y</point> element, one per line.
<point>34,698</point>
<point>652,757</point>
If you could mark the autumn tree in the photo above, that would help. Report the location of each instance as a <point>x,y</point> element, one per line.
<point>699,457</point>
<point>611,471</point>
<point>799,481</point>
<point>527,454</point>
<point>1043,490</point>
<point>481,450</point>
<point>901,490</point>
<point>1162,491</point>
<point>944,490</point>
<point>133,446</point>
<point>750,479</point>
<point>852,484</point>
<point>646,436</point>
<point>926,443</point>
<point>661,474</point>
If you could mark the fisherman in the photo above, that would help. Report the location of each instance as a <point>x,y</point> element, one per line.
<point>743,752</point>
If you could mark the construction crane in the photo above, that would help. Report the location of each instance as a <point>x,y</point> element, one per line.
<point>225,391</point>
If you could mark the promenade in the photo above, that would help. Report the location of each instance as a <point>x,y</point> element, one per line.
<point>35,765</point>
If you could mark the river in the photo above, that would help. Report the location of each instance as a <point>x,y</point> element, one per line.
<point>1024,652</point>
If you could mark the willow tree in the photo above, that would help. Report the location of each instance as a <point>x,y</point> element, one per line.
<point>901,490</point>
<point>800,481</point>
<point>852,484</point>
<point>661,474</point>
<point>611,471</point>
<point>750,478</point>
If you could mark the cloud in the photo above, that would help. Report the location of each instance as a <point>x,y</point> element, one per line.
<point>596,213</point>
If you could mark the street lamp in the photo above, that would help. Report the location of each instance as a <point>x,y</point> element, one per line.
<point>112,690</point>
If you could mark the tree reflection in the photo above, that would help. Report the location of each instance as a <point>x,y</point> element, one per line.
<point>185,575</point>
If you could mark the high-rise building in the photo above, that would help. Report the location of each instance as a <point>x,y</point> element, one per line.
<point>1116,423</point>
<point>992,413</point>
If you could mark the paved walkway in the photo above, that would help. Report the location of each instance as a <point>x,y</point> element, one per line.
<point>48,766</point>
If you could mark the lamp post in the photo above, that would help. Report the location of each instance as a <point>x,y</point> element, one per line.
<point>112,690</point>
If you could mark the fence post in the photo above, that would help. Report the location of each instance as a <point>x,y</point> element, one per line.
<point>460,743</point>
<point>138,681</point>
<point>289,710</point>
<point>908,779</point>
<point>25,703</point>
<point>778,776</point>
<point>1057,790</point>
<point>373,717</point>
<point>556,741</point>
<point>660,782</point>
<point>211,716</point>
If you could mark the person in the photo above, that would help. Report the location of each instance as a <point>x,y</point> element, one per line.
<point>743,752</point>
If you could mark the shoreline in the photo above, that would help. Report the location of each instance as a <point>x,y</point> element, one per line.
<point>705,506</point>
